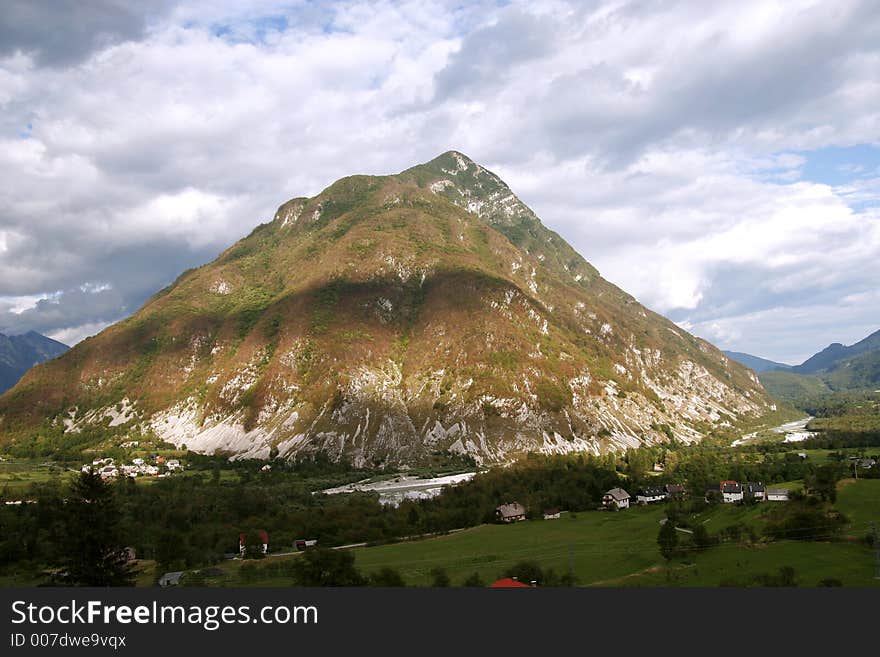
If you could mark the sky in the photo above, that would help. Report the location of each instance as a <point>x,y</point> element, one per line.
<point>719,161</point>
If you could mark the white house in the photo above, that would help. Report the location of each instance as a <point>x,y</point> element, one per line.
<point>173,464</point>
<point>777,495</point>
<point>650,495</point>
<point>264,542</point>
<point>137,461</point>
<point>513,512</point>
<point>616,498</point>
<point>731,492</point>
<point>754,491</point>
<point>551,514</point>
<point>108,471</point>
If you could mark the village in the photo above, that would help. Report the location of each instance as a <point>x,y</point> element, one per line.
<point>617,499</point>
<point>159,467</point>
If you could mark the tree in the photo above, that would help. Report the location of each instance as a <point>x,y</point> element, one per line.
<point>474,580</point>
<point>386,577</point>
<point>91,551</point>
<point>325,567</point>
<point>171,550</point>
<point>701,537</point>
<point>439,578</point>
<point>253,545</point>
<point>823,482</point>
<point>668,540</point>
<point>526,572</point>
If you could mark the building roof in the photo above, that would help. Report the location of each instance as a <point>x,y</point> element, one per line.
<point>752,487</point>
<point>510,510</point>
<point>171,578</point>
<point>551,512</point>
<point>651,492</point>
<point>674,488</point>
<point>731,487</point>
<point>508,583</point>
<point>264,537</point>
<point>777,491</point>
<point>618,494</point>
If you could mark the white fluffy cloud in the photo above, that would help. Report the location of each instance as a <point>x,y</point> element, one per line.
<point>666,141</point>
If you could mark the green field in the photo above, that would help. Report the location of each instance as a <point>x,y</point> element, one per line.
<point>621,550</point>
<point>615,549</point>
<point>860,501</point>
<point>17,476</point>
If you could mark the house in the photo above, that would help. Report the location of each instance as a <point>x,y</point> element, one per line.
<point>777,495</point>
<point>513,512</point>
<point>137,461</point>
<point>866,464</point>
<point>173,465</point>
<point>731,491</point>
<point>266,468</point>
<point>650,495</point>
<point>171,579</point>
<point>754,491</point>
<point>616,498</point>
<point>304,544</point>
<point>264,540</point>
<point>674,490</point>
<point>802,455</point>
<point>551,514</point>
<point>509,583</point>
<point>108,471</point>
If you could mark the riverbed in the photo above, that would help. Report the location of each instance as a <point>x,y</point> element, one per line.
<point>394,491</point>
<point>795,432</point>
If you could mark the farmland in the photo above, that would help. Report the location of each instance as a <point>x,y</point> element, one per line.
<point>614,549</point>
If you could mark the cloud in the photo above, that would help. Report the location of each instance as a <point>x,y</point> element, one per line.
<point>64,32</point>
<point>672,144</point>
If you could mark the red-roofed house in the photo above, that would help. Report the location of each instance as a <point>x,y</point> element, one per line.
<point>509,583</point>
<point>242,542</point>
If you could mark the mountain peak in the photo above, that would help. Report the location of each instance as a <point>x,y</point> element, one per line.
<point>385,319</point>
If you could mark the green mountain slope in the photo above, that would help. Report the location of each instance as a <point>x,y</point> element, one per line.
<point>793,388</point>
<point>384,319</point>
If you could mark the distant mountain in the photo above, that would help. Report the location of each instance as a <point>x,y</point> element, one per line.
<point>383,320</point>
<point>832,356</point>
<point>19,353</point>
<point>836,367</point>
<point>757,364</point>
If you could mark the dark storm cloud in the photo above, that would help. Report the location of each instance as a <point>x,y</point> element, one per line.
<point>147,268</point>
<point>64,32</point>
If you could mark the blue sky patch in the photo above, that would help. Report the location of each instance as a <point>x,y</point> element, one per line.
<point>837,165</point>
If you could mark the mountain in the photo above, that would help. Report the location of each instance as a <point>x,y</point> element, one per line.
<point>757,364</point>
<point>832,356</point>
<point>793,388</point>
<point>387,318</point>
<point>837,367</point>
<point>18,353</point>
